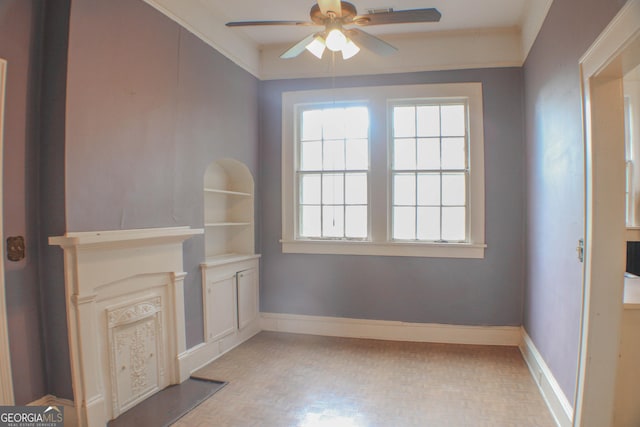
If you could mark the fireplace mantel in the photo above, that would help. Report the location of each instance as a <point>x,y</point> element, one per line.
<point>125,315</point>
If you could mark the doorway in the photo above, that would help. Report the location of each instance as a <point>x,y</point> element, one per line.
<point>615,53</point>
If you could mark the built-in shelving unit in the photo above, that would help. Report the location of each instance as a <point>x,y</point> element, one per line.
<point>228,209</point>
<point>230,272</point>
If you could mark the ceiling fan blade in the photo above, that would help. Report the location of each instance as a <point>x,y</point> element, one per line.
<point>334,6</point>
<point>370,42</point>
<point>399,17</point>
<point>298,48</point>
<point>265,23</point>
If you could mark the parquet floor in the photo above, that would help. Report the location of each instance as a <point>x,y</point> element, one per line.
<point>282,380</point>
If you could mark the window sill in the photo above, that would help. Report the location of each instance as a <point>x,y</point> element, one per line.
<point>407,249</point>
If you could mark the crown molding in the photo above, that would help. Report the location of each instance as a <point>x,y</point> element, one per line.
<point>204,23</point>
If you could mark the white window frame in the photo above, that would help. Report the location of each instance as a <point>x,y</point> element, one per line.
<point>380,242</point>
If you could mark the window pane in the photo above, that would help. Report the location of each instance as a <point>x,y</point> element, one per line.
<point>311,125</point>
<point>404,223</point>
<point>310,221</point>
<point>429,189</point>
<point>453,153</point>
<point>453,224</point>
<point>311,155</point>
<point>404,189</point>
<point>357,122</point>
<point>333,123</point>
<point>452,119</point>
<point>310,190</point>
<point>404,154</point>
<point>428,224</point>
<point>357,154</point>
<point>428,120</point>
<point>429,153</point>
<point>332,189</point>
<point>356,188</point>
<point>356,222</point>
<point>333,155</point>
<point>404,122</point>
<point>454,189</point>
<point>333,221</point>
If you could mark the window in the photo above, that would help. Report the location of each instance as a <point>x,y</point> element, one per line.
<point>393,170</point>
<point>332,172</point>
<point>429,172</point>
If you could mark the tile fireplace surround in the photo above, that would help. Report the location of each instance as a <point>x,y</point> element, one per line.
<point>125,315</point>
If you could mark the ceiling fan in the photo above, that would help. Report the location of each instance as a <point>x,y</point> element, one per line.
<point>335,15</point>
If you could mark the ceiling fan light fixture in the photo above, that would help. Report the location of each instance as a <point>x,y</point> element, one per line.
<point>350,50</point>
<point>317,47</point>
<point>336,40</point>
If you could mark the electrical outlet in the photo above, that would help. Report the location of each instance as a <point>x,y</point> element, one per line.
<point>15,248</point>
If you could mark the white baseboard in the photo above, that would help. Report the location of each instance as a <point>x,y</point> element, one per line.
<point>70,417</point>
<point>203,354</point>
<point>391,330</point>
<point>555,398</point>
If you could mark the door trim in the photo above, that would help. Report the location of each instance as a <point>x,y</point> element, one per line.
<point>604,218</point>
<point>6,385</point>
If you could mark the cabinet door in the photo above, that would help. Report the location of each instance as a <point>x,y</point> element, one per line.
<point>247,282</point>
<point>220,302</point>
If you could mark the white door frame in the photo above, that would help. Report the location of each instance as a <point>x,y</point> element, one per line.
<point>6,385</point>
<point>605,230</point>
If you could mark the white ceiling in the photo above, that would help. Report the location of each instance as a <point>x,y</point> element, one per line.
<point>471,34</point>
<point>456,15</point>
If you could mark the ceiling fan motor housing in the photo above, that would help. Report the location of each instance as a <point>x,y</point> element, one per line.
<point>348,13</point>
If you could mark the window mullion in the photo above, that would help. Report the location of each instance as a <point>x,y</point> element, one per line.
<point>415,178</point>
<point>344,189</point>
<point>415,174</point>
<point>440,172</point>
<point>344,200</point>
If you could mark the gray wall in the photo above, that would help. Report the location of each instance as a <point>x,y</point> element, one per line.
<point>149,107</point>
<point>451,291</point>
<point>554,184</point>
<point>20,34</point>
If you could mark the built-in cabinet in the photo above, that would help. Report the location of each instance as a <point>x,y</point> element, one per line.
<point>230,299</point>
<point>230,271</point>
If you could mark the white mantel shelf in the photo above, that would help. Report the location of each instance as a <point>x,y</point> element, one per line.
<point>166,235</point>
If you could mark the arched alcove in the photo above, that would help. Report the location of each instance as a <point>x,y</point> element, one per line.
<point>228,209</point>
